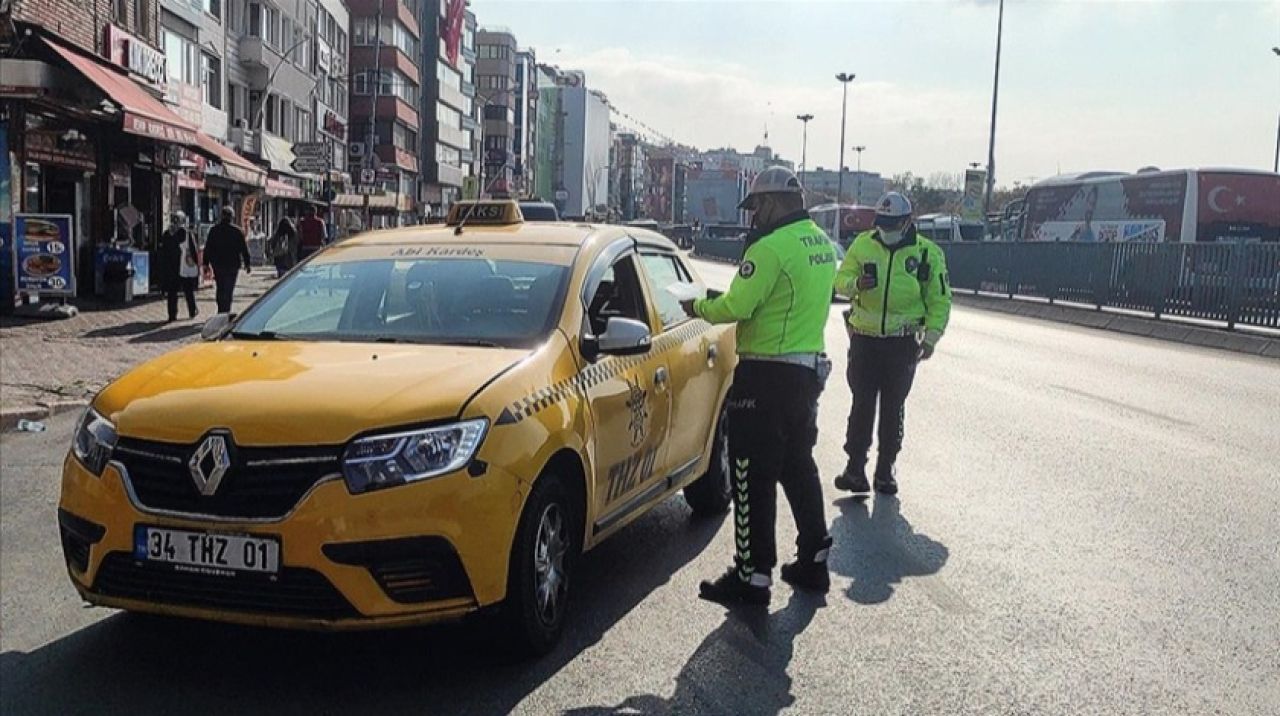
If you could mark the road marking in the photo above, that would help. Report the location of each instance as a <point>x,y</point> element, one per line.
<point>1124,406</point>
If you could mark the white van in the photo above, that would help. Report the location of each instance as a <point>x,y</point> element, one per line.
<point>948,227</point>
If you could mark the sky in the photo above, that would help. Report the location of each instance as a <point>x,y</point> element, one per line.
<point>1083,85</point>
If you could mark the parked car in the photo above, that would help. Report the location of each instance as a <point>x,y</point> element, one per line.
<point>539,211</point>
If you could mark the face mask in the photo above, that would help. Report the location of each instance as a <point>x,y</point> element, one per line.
<point>891,238</point>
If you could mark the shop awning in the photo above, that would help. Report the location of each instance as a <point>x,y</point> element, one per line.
<point>144,115</point>
<point>237,168</point>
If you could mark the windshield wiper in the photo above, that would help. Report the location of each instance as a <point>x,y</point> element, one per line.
<point>269,336</point>
<point>468,342</point>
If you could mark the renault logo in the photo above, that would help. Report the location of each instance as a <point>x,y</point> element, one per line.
<point>209,463</point>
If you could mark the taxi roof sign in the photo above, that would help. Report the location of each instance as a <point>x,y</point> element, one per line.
<point>498,212</point>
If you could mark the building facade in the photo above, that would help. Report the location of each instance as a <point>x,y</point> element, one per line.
<point>822,185</point>
<point>629,168</point>
<point>524,143</point>
<point>386,90</point>
<point>448,103</point>
<point>495,91</point>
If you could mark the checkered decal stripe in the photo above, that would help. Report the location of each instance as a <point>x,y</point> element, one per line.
<point>592,375</point>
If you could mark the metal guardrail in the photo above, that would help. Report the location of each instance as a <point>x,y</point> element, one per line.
<point>1234,283</point>
<point>718,249</point>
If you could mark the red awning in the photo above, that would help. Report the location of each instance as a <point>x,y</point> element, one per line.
<point>144,115</point>
<point>237,167</point>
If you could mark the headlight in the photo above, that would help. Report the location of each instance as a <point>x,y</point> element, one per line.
<point>388,460</point>
<point>94,440</point>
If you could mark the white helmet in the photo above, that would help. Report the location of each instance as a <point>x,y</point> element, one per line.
<point>774,180</point>
<point>893,207</point>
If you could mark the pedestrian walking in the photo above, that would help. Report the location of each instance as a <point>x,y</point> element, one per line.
<point>177,267</point>
<point>900,301</point>
<point>311,233</point>
<point>779,300</point>
<point>283,246</point>
<point>224,251</point>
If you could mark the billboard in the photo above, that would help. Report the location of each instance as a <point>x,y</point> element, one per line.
<point>975,182</point>
<point>1131,208</point>
<point>45,255</point>
<point>1238,207</point>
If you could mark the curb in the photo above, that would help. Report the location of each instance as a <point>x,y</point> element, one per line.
<point>1171,331</point>
<point>9,417</point>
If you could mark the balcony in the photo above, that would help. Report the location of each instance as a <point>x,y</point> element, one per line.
<point>448,174</point>
<point>452,97</point>
<point>455,138</point>
<point>389,8</point>
<point>254,53</point>
<point>389,58</point>
<point>388,108</point>
<point>394,156</point>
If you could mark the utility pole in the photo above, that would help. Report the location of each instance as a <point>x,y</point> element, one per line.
<point>859,149</point>
<point>844,78</point>
<point>371,137</point>
<point>804,142</point>
<point>991,145</point>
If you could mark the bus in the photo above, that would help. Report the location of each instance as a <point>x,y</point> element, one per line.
<point>1182,205</point>
<point>855,219</point>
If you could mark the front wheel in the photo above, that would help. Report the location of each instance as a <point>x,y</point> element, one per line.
<point>711,494</point>
<point>542,560</point>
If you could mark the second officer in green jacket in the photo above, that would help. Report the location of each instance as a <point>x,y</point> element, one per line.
<point>780,301</point>
<point>896,281</point>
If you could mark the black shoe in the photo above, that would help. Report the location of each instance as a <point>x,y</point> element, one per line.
<point>854,478</point>
<point>810,571</point>
<point>731,589</point>
<point>192,315</point>
<point>886,483</point>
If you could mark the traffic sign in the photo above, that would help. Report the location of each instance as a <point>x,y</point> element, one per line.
<point>310,150</point>
<point>309,165</point>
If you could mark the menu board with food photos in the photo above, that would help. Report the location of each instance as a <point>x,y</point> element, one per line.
<point>45,254</point>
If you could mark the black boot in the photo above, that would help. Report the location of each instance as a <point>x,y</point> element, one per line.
<point>886,483</point>
<point>809,571</point>
<point>731,589</point>
<point>854,477</point>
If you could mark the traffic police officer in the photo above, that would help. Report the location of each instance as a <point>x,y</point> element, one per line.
<point>896,281</point>
<point>780,300</point>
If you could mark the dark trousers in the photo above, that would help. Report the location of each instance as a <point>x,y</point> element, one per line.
<point>773,426</point>
<point>283,263</point>
<point>188,288</point>
<point>225,283</point>
<point>879,369</point>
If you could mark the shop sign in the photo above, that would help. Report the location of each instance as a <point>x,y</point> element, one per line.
<point>242,175</point>
<point>120,174</point>
<point>334,125</point>
<point>131,53</point>
<point>324,56</point>
<point>45,254</point>
<point>187,101</point>
<point>248,208</point>
<point>135,124</point>
<point>283,190</point>
<point>47,147</point>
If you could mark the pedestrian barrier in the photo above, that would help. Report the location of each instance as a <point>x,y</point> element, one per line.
<point>1235,283</point>
<point>717,249</point>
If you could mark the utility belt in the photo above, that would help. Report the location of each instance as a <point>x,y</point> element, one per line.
<point>907,331</point>
<point>817,362</point>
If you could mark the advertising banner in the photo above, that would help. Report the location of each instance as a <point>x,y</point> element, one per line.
<point>1111,204</point>
<point>7,283</point>
<point>45,254</point>
<point>975,183</point>
<point>1238,207</point>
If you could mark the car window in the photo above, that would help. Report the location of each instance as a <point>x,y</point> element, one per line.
<point>454,300</point>
<point>663,270</point>
<point>617,296</point>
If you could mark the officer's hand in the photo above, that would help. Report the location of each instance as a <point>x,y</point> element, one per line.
<point>866,283</point>
<point>687,306</point>
<point>925,352</point>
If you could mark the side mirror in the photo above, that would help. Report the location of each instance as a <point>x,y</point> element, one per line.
<point>624,337</point>
<point>217,327</point>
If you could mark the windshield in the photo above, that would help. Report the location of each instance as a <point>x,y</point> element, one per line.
<point>539,212</point>
<point>469,301</point>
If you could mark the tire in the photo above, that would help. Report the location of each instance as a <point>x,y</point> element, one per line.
<point>712,494</point>
<point>538,588</point>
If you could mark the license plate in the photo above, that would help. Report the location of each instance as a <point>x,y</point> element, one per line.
<point>206,552</point>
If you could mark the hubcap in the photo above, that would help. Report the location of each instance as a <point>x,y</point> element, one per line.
<point>550,582</point>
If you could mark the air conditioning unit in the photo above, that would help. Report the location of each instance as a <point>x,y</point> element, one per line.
<point>356,150</point>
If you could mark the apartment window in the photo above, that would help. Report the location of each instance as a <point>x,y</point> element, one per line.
<point>448,155</point>
<point>120,12</point>
<point>364,31</point>
<point>264,22</point>
<point>213,7</point>
<point>271,114</point>
<point>235,103</point>
<point>235,15</point>
<point>448,76</point>
<point>306,126</point>
<point>211,80</point>
<point>180,58</point>
<point>404,40</point>
<point>360,84</point>
<point>404,138</point>
<point>286,127</point>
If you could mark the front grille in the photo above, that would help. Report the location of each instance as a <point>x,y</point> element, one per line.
<point>261,482</point>
<point>78,535</point>
<point>293,591</point>
<point>410,570</point>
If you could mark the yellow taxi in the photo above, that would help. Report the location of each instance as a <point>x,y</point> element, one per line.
<point>413,425</point>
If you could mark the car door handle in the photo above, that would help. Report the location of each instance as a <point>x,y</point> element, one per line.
<point>660,379</point>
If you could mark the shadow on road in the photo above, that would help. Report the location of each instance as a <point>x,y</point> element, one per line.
<point>124,329</point>
<point>166,335</point>
<point>876,547</point>
<point>135,664</point>
<point>740,668</point>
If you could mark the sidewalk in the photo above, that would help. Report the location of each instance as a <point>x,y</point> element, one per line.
<point>59,365</point>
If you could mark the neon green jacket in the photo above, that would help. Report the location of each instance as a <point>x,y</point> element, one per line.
<point>781,297</point>
<point>912,291</point>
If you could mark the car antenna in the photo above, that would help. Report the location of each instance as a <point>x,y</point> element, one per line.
<point>457,230</point>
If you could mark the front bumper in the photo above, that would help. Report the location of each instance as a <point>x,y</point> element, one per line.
<point>413,554</point>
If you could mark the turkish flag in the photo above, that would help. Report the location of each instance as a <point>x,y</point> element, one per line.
<point>454,17</point>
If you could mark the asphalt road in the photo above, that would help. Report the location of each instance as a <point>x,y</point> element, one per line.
<point>1087,525</point>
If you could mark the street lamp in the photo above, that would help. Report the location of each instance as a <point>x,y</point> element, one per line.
<point>804,141</point>
<point>991,145</point>
<point>858,192</point>
<point>844,78</point>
